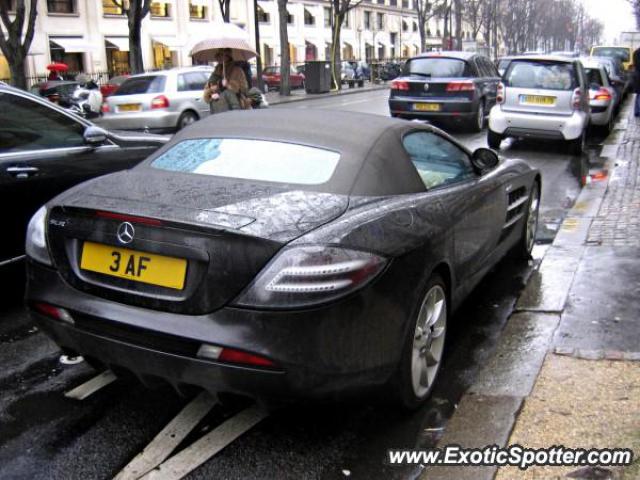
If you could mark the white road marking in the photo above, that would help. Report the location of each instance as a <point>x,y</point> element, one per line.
<point>168,439</point>
<point>202,450</point>
<point>91,386</point>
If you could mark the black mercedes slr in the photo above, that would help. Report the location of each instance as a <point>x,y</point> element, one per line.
<point>280,254</point>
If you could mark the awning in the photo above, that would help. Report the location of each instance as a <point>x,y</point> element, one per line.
<point>172,43</point>
<point>118,43</point>
<point>71,44</point>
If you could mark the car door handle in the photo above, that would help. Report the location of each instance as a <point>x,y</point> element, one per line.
<point>22,172</point>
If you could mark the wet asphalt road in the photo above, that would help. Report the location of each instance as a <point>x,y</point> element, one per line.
<point>45,435</point>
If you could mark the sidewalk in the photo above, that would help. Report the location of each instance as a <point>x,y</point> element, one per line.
<point>299,94</point>
<point>567,369</point>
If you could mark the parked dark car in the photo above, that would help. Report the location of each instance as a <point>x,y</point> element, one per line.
<point>390,70</point>
<point>457,86</point>
<point>44,150</point>
<point>55,89</point>
<point>328,262</point>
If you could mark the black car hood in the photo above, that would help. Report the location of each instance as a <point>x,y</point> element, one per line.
<point>279,213</point>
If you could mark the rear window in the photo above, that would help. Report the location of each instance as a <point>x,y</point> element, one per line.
<point>436,67</point>
<point>541,74</point>
<point>257,160</point>
<point>150,84</point>
<point>617,52</point>
<point>503,64</point>
<point>594,76</point>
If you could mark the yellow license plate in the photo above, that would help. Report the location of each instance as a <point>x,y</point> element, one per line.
<point>133,265</point>
<point>427,107</point>
<point>129,107</point>
<point>537,100</point>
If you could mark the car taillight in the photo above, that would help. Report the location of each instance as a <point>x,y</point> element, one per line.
<point>160,102</point>
<point>53,312</point>
<point>231,355</point>
<point>602,94</point>
<point>105,107</point>
<point>576,99</point>
<point>400,85</point>
<point>129,218</point>
<point>310,275</point>
<point>500,93</point>
<point>460,87</point>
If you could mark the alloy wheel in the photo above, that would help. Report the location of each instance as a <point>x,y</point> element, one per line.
<point>428,340</point>
<point>532,217</point>
<point>480,118</point>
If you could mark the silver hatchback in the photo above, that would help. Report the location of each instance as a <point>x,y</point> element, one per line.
<point>159,102</point>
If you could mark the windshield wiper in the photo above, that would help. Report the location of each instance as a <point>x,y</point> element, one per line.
<point>427,75</point>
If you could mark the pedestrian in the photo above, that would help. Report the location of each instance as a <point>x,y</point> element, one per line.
<point>636,81</point>
<point>227,86</point>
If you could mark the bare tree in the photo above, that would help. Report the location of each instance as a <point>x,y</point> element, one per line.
<point>636,10</point>
<point>458,9</point>
<point>15,46</point>
<point>285,61</point>
<point>425,10</point>
<point>473,15</point>
<point>135,10</point>
<point>339,9</point>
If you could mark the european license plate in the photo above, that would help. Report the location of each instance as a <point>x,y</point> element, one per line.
<point>537,100</point>
<point>129,107</point>
<point>427,107</point>
<point>133,265</point>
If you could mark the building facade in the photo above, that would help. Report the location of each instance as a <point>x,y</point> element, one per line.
<point>92,35</point>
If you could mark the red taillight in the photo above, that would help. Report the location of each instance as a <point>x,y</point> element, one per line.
<point>460,87</point>
<point>500,93</point>
<point>602,94</point>
<point>576,99</point>
<point>160,102</point>
<point>400,85</point>
<point>129,218</point>
<point>53,312</point>
<point>105,107</point>
<point>237,356</point>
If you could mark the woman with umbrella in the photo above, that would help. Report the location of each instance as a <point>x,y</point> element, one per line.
<point>227,87</point>
<point>54,71</point>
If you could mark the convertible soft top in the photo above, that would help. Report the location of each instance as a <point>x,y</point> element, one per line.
<point>372,158</point>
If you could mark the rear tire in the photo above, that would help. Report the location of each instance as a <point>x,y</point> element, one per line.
<point>494,139</point>
<point>522,249</point>
<point>477,123</point>
<point>186,119</point>
<point>423,347</point>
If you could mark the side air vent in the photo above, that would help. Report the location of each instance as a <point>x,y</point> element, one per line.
<point>517,202</point>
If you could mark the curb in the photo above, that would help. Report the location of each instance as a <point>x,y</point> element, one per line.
<point>561,260</point>
<point>320,96</point>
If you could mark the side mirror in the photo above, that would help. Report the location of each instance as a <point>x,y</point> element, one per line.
<point>485,159</point>
<point>94,136</point>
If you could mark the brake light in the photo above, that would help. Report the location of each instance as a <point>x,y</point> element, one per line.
<point>160,102</point>
<point>576,99</point>
<point>602,94</point>
<point>129,218</point>
<point>500,93</point>
<point>400,85</point>
<point>105,107</point>
<point>238,356</point>
<point>460,87</point>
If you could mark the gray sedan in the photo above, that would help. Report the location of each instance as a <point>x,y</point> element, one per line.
<point>159,102</point>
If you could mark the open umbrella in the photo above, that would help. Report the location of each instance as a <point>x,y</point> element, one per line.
<point>57,67</point>
<point>227,35</point>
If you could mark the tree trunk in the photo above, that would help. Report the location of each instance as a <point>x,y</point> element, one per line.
<point>458,17</point>
<point>336,59</point>
<point>18,77</point>
<point>135,49</point>
<point>285,62</point>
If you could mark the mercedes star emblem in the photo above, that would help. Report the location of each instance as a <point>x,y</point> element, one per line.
<point>426,87</point>
<point>126,232</point>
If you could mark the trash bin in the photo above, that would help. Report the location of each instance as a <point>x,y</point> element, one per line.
<point>317,77</point>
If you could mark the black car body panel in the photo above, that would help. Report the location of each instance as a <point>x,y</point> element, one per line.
<point>452,104</point>
<point>230,230</point>
<point>35,166</point>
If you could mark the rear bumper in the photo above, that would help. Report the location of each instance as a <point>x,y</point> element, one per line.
<point>156,121</point>
<point>534,125</point>
<point>449,108</point>
<point>601,112</point>
<point>328,352</point>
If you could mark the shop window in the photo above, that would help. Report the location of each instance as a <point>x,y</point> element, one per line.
<point>327,17</point>
<point>160,10</point>
<point>309,19</point>
<point>110,7</point>
<point>197,12</point>
<point>263,17</point>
